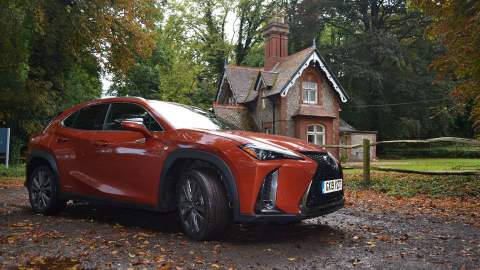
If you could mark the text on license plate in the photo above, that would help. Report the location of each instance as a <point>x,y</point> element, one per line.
<point>332,185</point>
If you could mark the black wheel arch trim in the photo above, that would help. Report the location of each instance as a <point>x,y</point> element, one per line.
<point>229,180</point>
<point>45,155</point>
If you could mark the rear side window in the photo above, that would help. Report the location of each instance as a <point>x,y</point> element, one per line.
<point>127,111</point>
<point>90,118</point>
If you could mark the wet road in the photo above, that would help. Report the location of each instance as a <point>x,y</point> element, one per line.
<point>99,237</point>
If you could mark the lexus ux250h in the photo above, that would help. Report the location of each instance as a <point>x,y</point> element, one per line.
<point>164,157</point>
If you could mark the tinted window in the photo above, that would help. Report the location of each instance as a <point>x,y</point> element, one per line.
<point>126,111</point>
<point>91,118</point>
<point>70,121</point>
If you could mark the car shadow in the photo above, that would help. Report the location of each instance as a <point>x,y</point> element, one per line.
<point>279,233</point>
<point>126,217</point>
<point>239,234</point>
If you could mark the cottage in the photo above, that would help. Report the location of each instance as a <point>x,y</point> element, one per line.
<point>294,95</point>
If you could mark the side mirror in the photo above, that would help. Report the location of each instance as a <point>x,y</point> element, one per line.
<point>135,126</point>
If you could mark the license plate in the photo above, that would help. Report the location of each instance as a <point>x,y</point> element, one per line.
<point>332,186</point>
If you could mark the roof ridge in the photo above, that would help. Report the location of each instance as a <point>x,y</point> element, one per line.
<point>299,52</point>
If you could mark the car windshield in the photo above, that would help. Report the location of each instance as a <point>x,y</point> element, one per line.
<point>183,116</point>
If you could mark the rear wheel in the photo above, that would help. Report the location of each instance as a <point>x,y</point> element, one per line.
<point>43,191</point>
<point>202,205</point>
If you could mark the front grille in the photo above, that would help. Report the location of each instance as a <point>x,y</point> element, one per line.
<point>327,169</point>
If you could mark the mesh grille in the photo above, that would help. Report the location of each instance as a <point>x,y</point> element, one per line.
<point>327,169</point>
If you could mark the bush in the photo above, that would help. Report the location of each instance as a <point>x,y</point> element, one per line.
<point>17,170</point>
<point>437,151</point>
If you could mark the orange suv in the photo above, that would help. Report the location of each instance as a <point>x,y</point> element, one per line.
<point>164,157</point>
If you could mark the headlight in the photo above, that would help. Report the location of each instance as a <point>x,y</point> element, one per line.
<point>263,151</point>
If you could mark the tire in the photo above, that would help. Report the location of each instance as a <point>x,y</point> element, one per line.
<point>43,191</point>
<point>202,205</point>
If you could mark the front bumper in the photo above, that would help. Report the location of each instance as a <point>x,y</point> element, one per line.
<point>312,213</point>
<point>298,190</point>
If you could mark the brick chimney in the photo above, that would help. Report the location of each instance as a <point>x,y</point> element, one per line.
<point>276,42</point>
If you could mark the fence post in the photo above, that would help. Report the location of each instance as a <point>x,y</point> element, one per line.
<point>366,161</point>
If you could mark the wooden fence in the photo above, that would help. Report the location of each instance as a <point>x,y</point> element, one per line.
<point>366,145</point>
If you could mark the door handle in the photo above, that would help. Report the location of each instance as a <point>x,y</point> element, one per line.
<point>62,139</point>
<point>100,143</point>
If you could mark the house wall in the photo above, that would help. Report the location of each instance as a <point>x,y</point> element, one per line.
<point>357,138</point>
<point>298,116</point>
<point>263,115</point>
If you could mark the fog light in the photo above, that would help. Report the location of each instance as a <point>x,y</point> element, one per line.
<point>268,193</point>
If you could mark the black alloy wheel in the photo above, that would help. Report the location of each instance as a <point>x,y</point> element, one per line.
<point>202,205</point>
<point>43,191</point>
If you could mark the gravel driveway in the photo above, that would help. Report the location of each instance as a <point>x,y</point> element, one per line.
<point>98,237</point>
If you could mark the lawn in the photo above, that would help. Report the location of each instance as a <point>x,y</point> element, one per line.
<point>428,164</point>
<point>408,185</point>
<point>401,184</point>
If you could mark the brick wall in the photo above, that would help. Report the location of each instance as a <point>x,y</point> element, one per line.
<point>328,104</point>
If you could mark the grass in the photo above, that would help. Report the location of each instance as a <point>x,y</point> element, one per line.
<point>409,185</point>
<point>428,164</point>
<point>414,184</point>
<point>13,171</point>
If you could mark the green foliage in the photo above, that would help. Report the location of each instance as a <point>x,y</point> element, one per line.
<point>447,151</point>
<point>192,48</point>
<point>456,24</point>
<point>252,15</point>
<point>51,54</point>
<point>412,185</point>
<point>16,170</point>
<point>255,56</point>
<point>381,56</point>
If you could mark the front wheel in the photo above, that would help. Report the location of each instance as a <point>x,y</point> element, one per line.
<point>43,191</point>
<point>202,205</point>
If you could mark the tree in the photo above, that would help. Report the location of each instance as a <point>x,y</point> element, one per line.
<point>456,24</point>
<point>380,55</point>
<point>53,52</point>
<point>252,15</point>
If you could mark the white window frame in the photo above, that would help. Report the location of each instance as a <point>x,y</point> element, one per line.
<point>310,92</point>
<point>318,130</point>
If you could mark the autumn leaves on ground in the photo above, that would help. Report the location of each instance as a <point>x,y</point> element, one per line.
<point>383,226</point>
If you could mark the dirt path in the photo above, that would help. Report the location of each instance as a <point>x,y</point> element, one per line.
<point>359,236</point>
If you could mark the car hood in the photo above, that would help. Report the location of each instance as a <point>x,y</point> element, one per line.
<point>245,137</point>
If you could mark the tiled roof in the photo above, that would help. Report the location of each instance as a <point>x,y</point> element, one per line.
<point>269,78</point>
<point>346,127</point>
<point>288,68</point>
<point>242,81</point>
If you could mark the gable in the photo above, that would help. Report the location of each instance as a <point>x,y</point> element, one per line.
<point>225,94</point>
<point>292,68</point>
<point>245,82</point>
<point>241,81</point>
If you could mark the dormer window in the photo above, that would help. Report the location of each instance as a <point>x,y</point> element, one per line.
<point>309,92</point>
